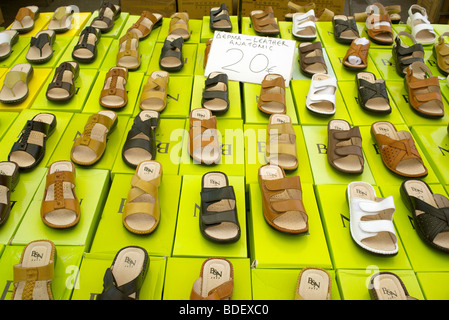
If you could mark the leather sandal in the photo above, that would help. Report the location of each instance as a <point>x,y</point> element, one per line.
<point>398,150</point>
<point>62,86</point>
<point>379,26</point>
<point>114,94</point>
<point>215,93</point>
<point>210,287</point>
<point>107,14</point>
<point>86,48</point>
<point>405,55</point>
<point>204,146</point>
<point>303,26</point>
<point>272,94</point>
<point>344,147</point>
<point>264,22</point>
<point>356,57</point>
<point>171,58</point>
<point>281,142</point>
<point>372,93</point>
<point>15,84</point>
<point>218,219</point>
<point>9,177</point>
<point>41,47</point>
<point>424,91</point>
<point>29,150</point>
<point>311,60</point>
<point>147,22</point>
<point>154,92</point>
<point>421,28</point>
<point>297,8</point>
<point>122,282</point>
<point>7,40</point>
<point>128,53</point>
<point>282,204</point>
<point>141,214</point>
<point>219,18</point>
<point>441,53</point>
<point>91,145</point>
<point>61,20</point>
<point>60,207</point>
<point>140,144</point>
<point>305,288</point>
<point>321,96</point>
<point>382,284</point>
<point>345,29</point>
<point>25,18</point>
<point>179,25</point>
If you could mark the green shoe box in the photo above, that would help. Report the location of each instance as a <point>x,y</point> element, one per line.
<point>67,264</point>
<point>83,84</point>
<point>323,173</point>
<point>434,143</point>
<point>270,248</point>
<point>21,198</point>
<point>35,84</point>
<point>102,52</point>
<point>361,117</point>
<point>381,173</point>
<point>189,51</point>
<point>280,284</point>
<point>189,241</point>
<point>119,24</point>
<point>190,269</point>
<point>133,84</point>
<point>247,27</point>
<point>74,130</point>
<point>300,90</point>
<point>179,95</point>
<point>195,27</point>
<point>253,115</point>
<point>255,145</point>
<point>79,20</point>
<point>440,29</point>
<point>355,284</point>
<point>422,256</point>
<point>111,235</point>
<point>91,189</point>
<point>231,140</point>
<point>346,254</point>
<point>399,93</point>
<point>444,87</point>
<point>168,149</point>
<point>6,121</point>
<point>15,130</point>
<point>199,62</point>
<point>299,75</point>
<point>132,19</point>
<point>207,33</point>
<point>89,283</point>
<point>235,103</point>
<point>434,284</point>
<point>16,51</point>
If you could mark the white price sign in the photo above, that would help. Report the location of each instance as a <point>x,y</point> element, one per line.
<point>248,58</point>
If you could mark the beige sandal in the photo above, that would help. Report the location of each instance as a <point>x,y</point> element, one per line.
<point>154,92</point>
<point>216,281</point>
<point>114,94</point>
<point>281,142</point>
<point>128,54</point>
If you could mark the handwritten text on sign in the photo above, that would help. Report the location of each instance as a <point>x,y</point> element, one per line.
<point>248,58</point>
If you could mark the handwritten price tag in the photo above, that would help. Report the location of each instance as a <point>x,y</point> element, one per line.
<point>248,58</point>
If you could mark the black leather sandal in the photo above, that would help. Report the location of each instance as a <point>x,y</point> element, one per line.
<point>86,49</point>
<point>372,93</point>
<point>218,218</point>
<point>215,93</point>
<point>219,19</point>
<point>62,87</point>
<point>345,29</point>
<point>171,55</point>
<point>41,47</point>
<point>9,177</point>
<point>140,144</point>
<point>405,55</point>
<point>105,19</point>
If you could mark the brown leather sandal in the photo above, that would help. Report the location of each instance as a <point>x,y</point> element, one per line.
<point>379,25</point>
<point>264,22</point>
<point>204,146</point>
<point>128,55</point>
<point>398,150</point>
<point>114,94</point>
<point>272,94</point>
<point>441,53</point>
<point>282,204</point>
<point>147,22</point>
<point>356,57</point>
<point>281,142</point>
<point>311,60</point>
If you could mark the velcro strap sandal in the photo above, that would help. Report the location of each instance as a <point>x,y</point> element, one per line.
<point>215,93</point>
<point>321,96</point>
<point>281,142</point>
<point>204,146</point>
<point>311,59</point>
<point>272,95</point>
<point>264,22</point>
<point>418,22</point>
<point>441,53</point>
<point>219,18</point>
<point>303,26</point>
<point>404,55</point>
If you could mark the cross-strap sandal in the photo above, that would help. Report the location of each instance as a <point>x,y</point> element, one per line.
<point>215,93</point>
<point>398,150</point>
<point>272,94</point>
<point>218,218</point>
<point>371,219</point>
<point>41,47</point>
<point>219,18</point>
<point>294,7</point>
<point>304,27</point>
<point>107,14</point>
<point>114,94</point>
<point>25,18</point>
<point>128,55</point>
<point>281,142</point>
<point>216,280</point>
<point>7,40</point>
<point>91,145</point>
<point>441,53</point>
<point>344,147</point>
<point>140,144</point>
<point>60,206</point>
<point>430,213</point>
<point>62,87</point>
<point>345,29</point>
<point>141,214</point>
<point>61,20</point>
<point>356,57</point>
<point>86,48</point>
<point>404,55</point>
<point>179,25</point>
<point>311,59</point>
<point>424,91</point>
<point>29,150</point>
<point>313,284</point>
<point>34,273</point>
<point>378,25</point>
<point>418,22</point>
<point>372,93</point>
<point>204,146</point>
<point>124,278</point>
<point>154,92</point>
<point>9,177</point>
<point>388,286</point>
<point>147,22</point>
<point>282,204</point>
<point>264,22</point>
<point>171,58</point>
<point>15,84</point>
<point>321,96</point>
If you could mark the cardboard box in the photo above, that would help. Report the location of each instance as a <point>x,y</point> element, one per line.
<point>197,9</point>
<point>164,7</point>
<point>433,8</point>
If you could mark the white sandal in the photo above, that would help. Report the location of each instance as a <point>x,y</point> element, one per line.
<point>321,96</point>
<point>371,219</point>
<point>422,29</point>
<point>303,26</point>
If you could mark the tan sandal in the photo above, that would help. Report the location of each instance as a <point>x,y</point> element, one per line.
<point>204,146</point>
<point>179,25</point>
<point>281,142</point>
<point>128,55</point>
<point>272,95</point>
<point>147,22</point>
<point>264,22</point>
<point>114,94</point>
<point>154,92</point>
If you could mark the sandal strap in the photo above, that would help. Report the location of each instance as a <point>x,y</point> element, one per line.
<point>170,48</point>
<point>142,127</point>
<point>42,273</point>
<point>405,149</point>
<point>59,73</point>
<point>341,26</point>
<point>85,37</point>
<point>40,41</point>
<point>369,90</point>
<point>433,221</point>
<point>216,16</point>
<point>22,13</point>
<point>23,145</point>
<point>113,292</point>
